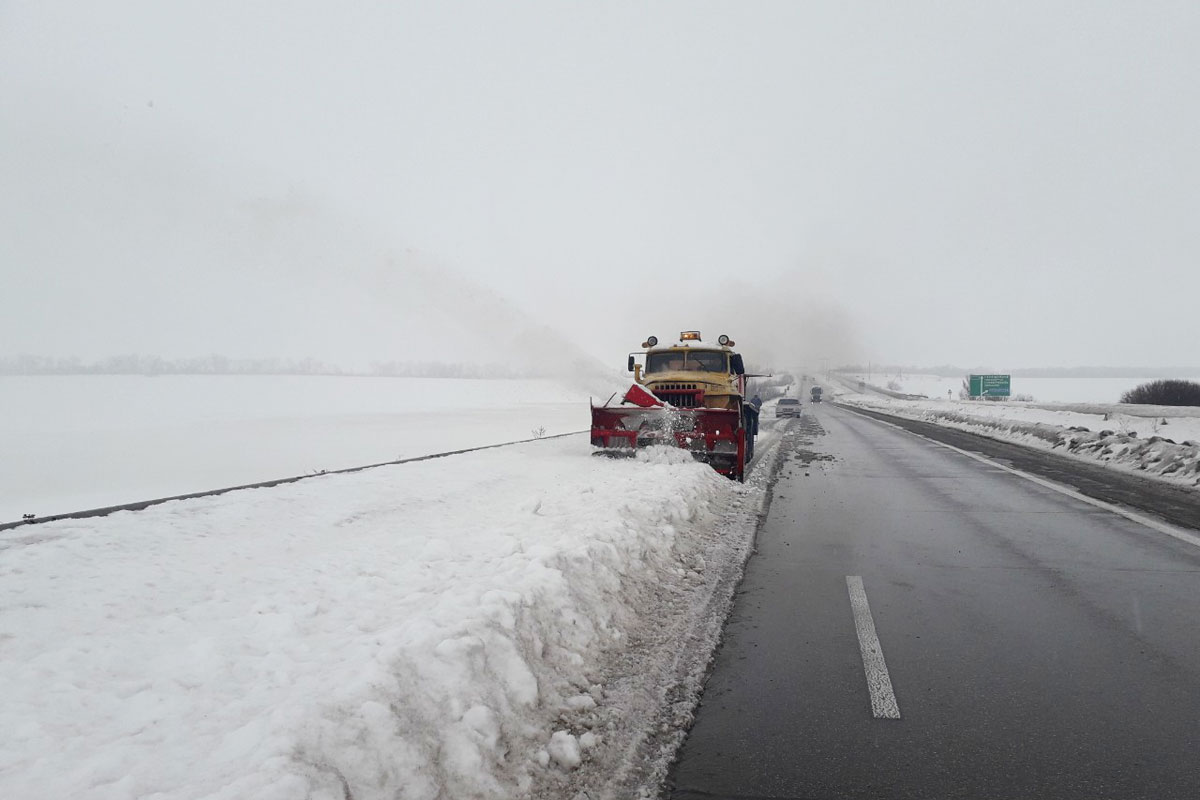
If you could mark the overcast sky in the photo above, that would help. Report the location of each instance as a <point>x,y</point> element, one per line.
<point>1006,184</point>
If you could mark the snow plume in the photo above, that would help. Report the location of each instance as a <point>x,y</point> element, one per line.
<point>496,330</point>
<point>786,324</point>
<point>248,268</point>
<point>362,296</point>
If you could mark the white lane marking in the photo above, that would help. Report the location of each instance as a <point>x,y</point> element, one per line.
<point>883,699</point>
<point>1153,524</point>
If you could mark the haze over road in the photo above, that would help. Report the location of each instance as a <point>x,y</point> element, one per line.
<point>1028,644</point>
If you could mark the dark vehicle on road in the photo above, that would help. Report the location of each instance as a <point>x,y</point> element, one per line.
<point>816,394</point>
<point>788,407</point>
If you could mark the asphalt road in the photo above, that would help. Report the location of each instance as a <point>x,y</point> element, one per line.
<point>1174,504</point>
<point>1027,644</point>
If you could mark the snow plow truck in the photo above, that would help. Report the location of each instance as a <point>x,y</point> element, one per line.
<point>690,395</point>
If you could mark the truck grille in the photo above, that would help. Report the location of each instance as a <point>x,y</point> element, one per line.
<point>680,395</point>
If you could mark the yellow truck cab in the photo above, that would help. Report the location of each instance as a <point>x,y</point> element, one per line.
<point>693,375</point>
<point>689,394</point>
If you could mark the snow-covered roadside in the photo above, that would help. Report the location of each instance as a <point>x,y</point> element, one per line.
<point>1055,391</point>
<point>1164,446</point>
<point>660,675</point>
<point>471,627</point>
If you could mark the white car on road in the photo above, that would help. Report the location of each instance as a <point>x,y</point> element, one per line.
<point>788,407</point>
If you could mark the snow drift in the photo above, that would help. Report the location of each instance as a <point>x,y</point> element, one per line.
<point>447,629</point>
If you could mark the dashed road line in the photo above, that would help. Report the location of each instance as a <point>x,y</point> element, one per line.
<point>879,683</point>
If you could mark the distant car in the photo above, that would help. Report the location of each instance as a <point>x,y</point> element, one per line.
<point>788,407</point>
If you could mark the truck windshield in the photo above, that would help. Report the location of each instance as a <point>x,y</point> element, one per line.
<point>698,360</point>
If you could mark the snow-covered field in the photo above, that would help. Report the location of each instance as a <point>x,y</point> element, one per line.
<point>77,442</point>
<point>529,621</point>
<point>1156,441</point>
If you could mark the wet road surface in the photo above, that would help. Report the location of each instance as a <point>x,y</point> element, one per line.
<point>917,624</point>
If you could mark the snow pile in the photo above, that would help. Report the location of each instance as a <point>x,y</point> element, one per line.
<point>1165,445</point>
<point>445,629</point>
<point>664,455</point>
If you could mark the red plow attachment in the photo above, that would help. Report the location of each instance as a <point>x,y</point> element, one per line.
<point>716,436</point>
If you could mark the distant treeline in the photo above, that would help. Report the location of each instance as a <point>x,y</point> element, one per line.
<point>223,365</point>
<point>948,371</point>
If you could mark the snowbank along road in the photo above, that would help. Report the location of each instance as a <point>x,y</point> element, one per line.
<point>525,621</point>
<point>1159,442</point>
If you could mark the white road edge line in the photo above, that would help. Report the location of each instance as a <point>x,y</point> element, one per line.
<point>1153,524</point>
<point>883,699</point>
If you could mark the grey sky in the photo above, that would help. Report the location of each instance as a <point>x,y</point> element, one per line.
<point>1014,184</point>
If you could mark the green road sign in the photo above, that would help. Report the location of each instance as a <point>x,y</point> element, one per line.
<point>990,385</point>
